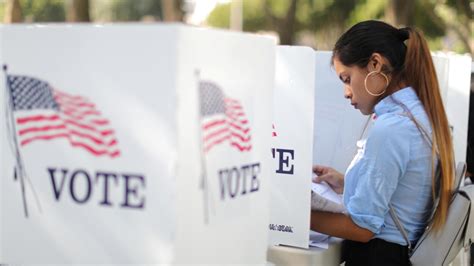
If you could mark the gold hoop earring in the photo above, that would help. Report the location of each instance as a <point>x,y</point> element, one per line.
<point>365,83</point>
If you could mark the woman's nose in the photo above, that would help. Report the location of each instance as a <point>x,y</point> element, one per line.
<point>347,92</point>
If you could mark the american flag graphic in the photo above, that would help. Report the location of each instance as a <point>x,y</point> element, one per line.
<point>223,119</point>
<point>44,113</point>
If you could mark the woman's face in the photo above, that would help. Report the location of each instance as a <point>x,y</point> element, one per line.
<point>354,89</point>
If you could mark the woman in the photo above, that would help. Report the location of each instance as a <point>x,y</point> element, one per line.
<point>389,72</point>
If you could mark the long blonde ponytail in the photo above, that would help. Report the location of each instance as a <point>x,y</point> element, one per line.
<point>421,75</point>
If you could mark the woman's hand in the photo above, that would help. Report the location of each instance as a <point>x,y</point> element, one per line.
<point>330,176</point>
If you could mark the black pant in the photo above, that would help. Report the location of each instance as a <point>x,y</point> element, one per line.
<point>376,252</point>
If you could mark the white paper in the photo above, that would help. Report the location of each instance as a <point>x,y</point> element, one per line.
<point>324,198</point>
<point>318,240</point>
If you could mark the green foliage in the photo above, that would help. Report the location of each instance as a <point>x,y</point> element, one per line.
<point>279,7</point>
<point>219,17</point>
<point>135,10</point>
<point>253,20</point>
<point>2,10</point>
<point>43,10</point>
<point>368,9</point>
<point>334,13</point>
<point>426,20</point>
<point>325,18</point>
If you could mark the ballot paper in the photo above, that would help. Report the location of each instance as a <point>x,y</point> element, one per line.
<point>318,240</point>
<point>324,198</point>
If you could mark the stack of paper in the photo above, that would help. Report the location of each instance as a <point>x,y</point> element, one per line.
<point>324,198</point>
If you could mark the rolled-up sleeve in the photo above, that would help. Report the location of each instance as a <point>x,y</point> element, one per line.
<point>383,163</point>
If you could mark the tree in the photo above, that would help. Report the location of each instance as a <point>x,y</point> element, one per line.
<point>253,18</point>
<point>127,10</point>
<point>43,10</point>
<point>77,11</point>
<point>457,15</point>
<point>285,25</point>
<point>400,12</point>
<point>172,10</point>
<point>288,18</point>
<point>13,12</point>
<point>271,15</point>
<point>326,20</point>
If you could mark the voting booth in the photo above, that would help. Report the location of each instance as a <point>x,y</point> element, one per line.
<point>454,76</point>
<point>292,146</point>
<point>338,126</point>
<point>134,144</point>
<point>170,144</point>
<point>325,132</point>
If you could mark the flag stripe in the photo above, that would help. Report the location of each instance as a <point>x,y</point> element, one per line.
<point>240,137</point>
<point>243,122</point>
<point>40,129</point>
<point>97,139</point>
<point>213,123</point>
<point>73,143</point>
<point>63,95</point>
<point>239,128</point>
<point>241,148</point>
<point>81,116</point>
<point>94,139</point>
<point>72,104</point>
<point>230,100</point>
<point>76,109</point>
<point>100,122</point>
<point>216,133</point>
<point>236,114</point>
<point>90,136</point>
<point>88,127</point>
<point>209,146</point>
<point>37,118</point>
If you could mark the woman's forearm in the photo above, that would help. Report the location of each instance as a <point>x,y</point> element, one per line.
<point>338,225</point>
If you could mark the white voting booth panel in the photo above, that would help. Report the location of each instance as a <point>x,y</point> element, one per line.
<point>292,148</point>
<point>136,144</point>
<point>441,64</point>
<point>337,125</point>
<point>454,75</point>
<point>305,78</point>
<point>239,171</point>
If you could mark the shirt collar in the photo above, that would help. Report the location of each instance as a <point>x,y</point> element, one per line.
<point>388,104</point>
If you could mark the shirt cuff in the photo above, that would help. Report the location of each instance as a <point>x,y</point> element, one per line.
<point>369,222</point>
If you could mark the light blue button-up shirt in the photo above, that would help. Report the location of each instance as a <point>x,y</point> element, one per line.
<point>393,165</point>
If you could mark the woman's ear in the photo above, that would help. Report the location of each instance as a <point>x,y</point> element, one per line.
<point>376,62</point>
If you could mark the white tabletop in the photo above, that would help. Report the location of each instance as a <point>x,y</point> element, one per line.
<point>284,255</point>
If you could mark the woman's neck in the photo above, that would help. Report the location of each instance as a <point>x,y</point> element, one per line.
<point>392,88</point>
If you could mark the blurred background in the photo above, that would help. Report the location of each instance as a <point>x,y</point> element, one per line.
<point>447,24</point>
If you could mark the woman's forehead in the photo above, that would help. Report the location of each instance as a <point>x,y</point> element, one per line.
<point>342,69</point>
<point>339,66</point>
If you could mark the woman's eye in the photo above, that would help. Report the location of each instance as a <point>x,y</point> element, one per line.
<point>347,80</point>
